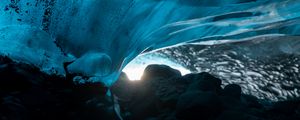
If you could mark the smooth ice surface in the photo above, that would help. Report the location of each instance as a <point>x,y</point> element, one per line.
<point>108,34</point>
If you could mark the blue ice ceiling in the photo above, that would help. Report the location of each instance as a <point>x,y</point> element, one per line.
<point>103,36</point>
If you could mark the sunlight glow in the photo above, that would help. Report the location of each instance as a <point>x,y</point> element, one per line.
<point>135,68</point>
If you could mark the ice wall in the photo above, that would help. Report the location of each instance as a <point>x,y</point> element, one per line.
<point>102,36</point>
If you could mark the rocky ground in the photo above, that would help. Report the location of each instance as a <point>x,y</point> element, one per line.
<point>162,94</point>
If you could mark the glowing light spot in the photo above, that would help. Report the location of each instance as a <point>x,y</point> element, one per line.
<point>135,68</point>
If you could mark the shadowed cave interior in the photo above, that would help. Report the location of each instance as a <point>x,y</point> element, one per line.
<point>161,94</point>
<point>149,60</point>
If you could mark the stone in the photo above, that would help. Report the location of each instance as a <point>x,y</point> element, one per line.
<point>236,115</point>
<point>251,101</point>
<point>123,88</point>
<point>28,93</point>
<point>199,104</point>
<point>159,71</point>
<point>205,82</point>
<point>232,103</point>
<point>233,90</point>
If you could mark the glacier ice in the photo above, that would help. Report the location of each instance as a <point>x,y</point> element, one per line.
<point>265,67</point>
<point>103,36</point>
<point>31,45</point>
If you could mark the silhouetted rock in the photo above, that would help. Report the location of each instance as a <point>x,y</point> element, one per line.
<point>194,96</point>
<point>287,107</point>
<point>232,103</point>
<point>159,71</point>
<point>26,93</point>
<point>205,82</point>
<point>251,101</point>
<point>204,105</point>
<point>232,90</point>
<point>236,115</point>
<point>163,94</point>
<point>124,89</point>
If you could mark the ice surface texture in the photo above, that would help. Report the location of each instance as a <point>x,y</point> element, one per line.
<point>102,36</point>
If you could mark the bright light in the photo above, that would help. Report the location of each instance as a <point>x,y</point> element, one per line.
<point>135,68</point>
<point>134,71</point>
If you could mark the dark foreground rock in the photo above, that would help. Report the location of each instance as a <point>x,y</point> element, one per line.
<point>197,97</point>
<point>28,94</point>
<point>198,103</point>
<point>163,94</point>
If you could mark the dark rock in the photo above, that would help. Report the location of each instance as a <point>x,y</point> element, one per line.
<point>288,107</point>
<point>204,105</point>
<point>28,93</point>
<point>233,100</point>
<point>232,103</point>
<point>298,111</point>
<point>14,79</point>
<point>236,115</point>
<point>232,90</point>
<point>163,94</point>
<point>169,90</point>
<point>12,108</point>
<point>150,98</point>
<point>259,113</point>
<point>123,88</point>
<point>159,71</point>
<point>251,101</point>
<point>145,107</point>
<point>205,82</point>
<point>137,99</point>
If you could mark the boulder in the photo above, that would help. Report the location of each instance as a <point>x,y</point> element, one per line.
<point>236,115</point>
<point>159,71</point>
<point>205,82</point>
<point>232,90</point>
<point>231,103</point>
<point>199,104</point>
<point>28,93</point>
<point>123,88</point>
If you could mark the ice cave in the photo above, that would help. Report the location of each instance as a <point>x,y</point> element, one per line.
<point>149,59</point>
